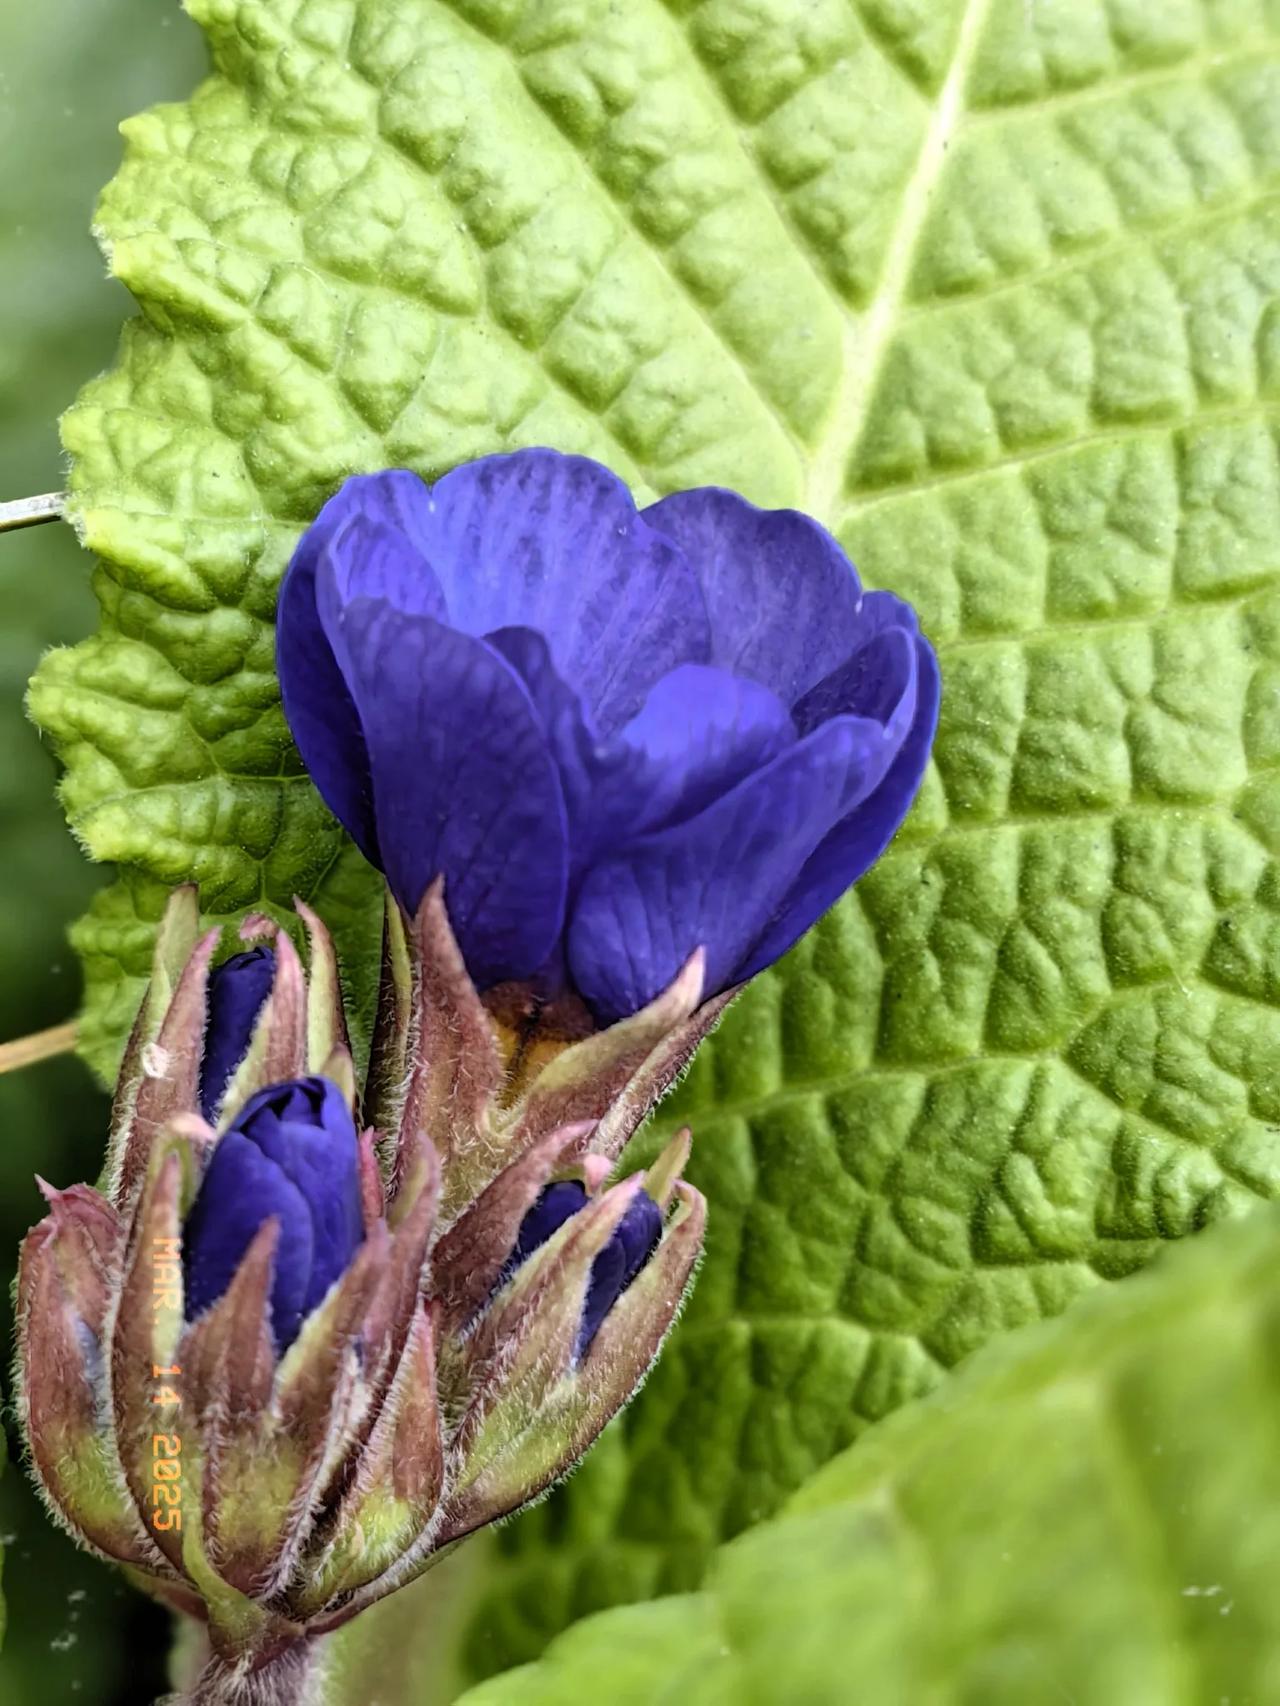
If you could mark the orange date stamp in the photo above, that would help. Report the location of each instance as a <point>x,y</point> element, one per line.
<point>166,1448</point>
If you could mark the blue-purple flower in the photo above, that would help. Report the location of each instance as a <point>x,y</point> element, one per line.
<point>291,1154</point>
<point>620,736</point>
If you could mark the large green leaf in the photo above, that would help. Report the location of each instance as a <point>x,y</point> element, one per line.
<point>989,286</point>
<point>1089,1513</point>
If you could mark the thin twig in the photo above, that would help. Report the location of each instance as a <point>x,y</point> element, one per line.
<point>30,512</point>
<point>40,1045</point>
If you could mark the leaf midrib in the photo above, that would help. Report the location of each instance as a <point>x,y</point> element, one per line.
<point>867,340</point>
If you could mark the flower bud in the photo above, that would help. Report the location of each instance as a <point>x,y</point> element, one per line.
<point>291,1153</point>
<point>207,1038</point>
<point>237,990</point>
<point>278,1368</point>
<point>629,1247</point>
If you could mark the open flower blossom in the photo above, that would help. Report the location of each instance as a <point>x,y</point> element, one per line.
<point>619,736</point>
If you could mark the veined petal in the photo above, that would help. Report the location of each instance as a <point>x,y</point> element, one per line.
<point>540,540</point>
<point>372,558</point>
<point>395,502</point>
<point>878,681</point>
<point>883,610</point>
<point>855,843</point>
<point>464,784</point>
<point>698,733</point>
<point>716,880</point>
<point>782,597</point>
<point>365,541</point>
<point>572,741</point>
<point>877,684</point>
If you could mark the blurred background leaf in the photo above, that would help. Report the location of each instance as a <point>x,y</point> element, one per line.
<point>69,70</point>
<point>1073,1488</point>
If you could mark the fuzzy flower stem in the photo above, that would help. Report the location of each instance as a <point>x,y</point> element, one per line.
<point>291,1677</point>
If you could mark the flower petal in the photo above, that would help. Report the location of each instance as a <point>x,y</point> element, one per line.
<point>463,784</point>
<point>322,1163</point>
<point>883,610</point>
<point>377,537</point>
<point>571,739</point>
<point>240,1190</point>
<point>318,708</point>
<point>698,733</point>
<point>540,540</point>
<point>629,1247</point>
<point>716,880</point>
<point>855,844</point>
<point>877,682</point>
<point>317,705</point>
<point>782,597</point>
<point>295,1099</point>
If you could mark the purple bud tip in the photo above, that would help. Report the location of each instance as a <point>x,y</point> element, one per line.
<point>558,1203</point>
<point>634,1240</point>
<point>237,990</point>
<point>292,1153</point>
